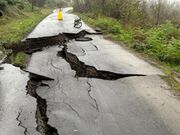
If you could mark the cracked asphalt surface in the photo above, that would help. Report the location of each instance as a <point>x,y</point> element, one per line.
<point>17,109</point>
<point>137,105</point>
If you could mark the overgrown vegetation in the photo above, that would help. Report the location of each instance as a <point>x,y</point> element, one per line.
<point>14,29</point>
<point>20,4</point>
<point>19,59</point>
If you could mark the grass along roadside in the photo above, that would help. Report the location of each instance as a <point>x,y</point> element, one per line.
<point>17,28</point>
<point>160,44</point>
<point>14,29</point>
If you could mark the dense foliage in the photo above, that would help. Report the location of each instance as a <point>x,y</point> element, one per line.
<point>21,4</point>
<point>138,12</point>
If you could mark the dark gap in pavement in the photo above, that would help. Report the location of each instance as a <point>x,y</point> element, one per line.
<point>41,117</point>
<point>83,70</point>
<point>75,35</point>
<point>81,34</point>
<point>1,68</point>
<point>84,39</point>
<point>39,77</point>
<point>32,45</point>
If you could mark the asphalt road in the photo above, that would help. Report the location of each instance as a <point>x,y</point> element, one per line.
<point>135,105</point>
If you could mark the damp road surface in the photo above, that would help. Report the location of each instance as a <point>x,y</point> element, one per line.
<point>85,88</point>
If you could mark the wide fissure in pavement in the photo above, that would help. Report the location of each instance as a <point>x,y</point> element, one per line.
<point>81,34</point>
<point>83,70</point>
<point>32,45</point>
<point>41,117</point>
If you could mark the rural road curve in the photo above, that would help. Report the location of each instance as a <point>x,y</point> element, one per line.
<point>99,88</point>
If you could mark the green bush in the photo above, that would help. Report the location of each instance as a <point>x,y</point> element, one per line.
<point>3,4</point>
<point>165,42</point>
<point>11,2</point>
<point>20,5</point>
<point>126,36</point>
<point>19,59</point>
<point>106,24</point>
<point>115,29</point>
<point>102,24</point>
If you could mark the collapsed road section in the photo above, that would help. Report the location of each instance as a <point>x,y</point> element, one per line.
<point>30,46</point>
<point>81,69</point>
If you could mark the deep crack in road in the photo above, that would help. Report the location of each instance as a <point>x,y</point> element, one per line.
<point>41,118</point>
<point>83,70</point>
